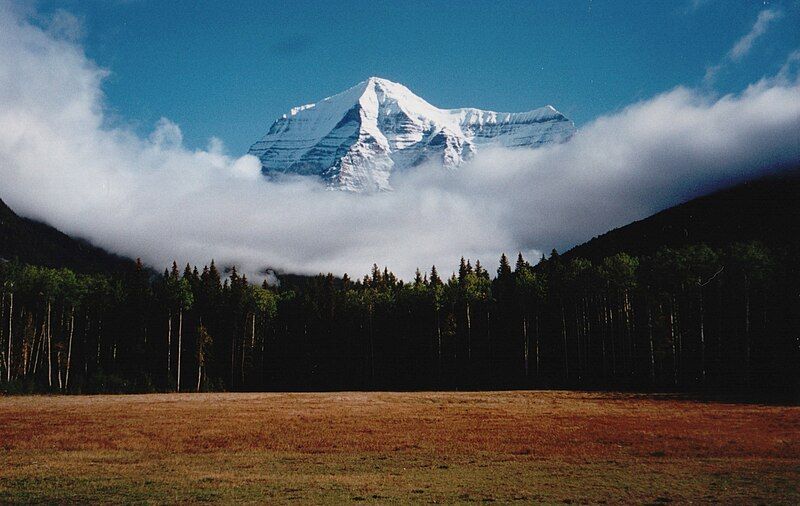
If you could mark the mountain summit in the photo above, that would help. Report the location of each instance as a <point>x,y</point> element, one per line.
<point>356,139</point>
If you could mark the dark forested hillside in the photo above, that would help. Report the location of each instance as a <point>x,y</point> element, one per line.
<point>766,210</point>
<point>36,243</point>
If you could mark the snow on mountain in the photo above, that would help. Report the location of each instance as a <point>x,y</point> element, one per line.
<point>355,140</point>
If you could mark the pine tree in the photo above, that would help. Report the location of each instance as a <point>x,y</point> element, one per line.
<point>504,271</point>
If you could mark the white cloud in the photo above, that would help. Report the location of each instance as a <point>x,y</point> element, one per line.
<point>167,135</point>
<point>154,198</point>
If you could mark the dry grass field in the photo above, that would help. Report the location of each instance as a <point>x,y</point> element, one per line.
<point>531,447</point>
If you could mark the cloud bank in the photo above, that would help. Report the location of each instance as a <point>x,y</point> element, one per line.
<point>64,161</point>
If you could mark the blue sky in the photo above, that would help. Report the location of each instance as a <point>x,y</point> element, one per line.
<point>228,69</point>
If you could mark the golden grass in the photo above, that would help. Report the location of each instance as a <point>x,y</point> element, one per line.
<point>396,447</point>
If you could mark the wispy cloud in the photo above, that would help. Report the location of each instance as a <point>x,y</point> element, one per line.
<point>152,197</point>
<point>65,25</point>
<point>742,46</point>
<point>696,4</point>
<point>711,73</point>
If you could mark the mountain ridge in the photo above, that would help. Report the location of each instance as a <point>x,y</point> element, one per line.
<point>355,140</point>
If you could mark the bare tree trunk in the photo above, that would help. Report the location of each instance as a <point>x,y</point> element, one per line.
<point>629,333</point>
<point>252,346</point>
<point>244,349</point>
<point>536,346</point>
<point>588,332</point>
<point>49,349</point>
<point>38,346</point>
<point>525,342</point>
<point>650,343</point>
<point>10,316</point>
<point>679,336</point>
<point>86,326</point>
<point>702,341</point>
<point>2,330</point>
<point>439,343</point>
<point>58,369</point>
<point>604,337</point>
<point>266,330</point>
<point>469,336</point>
<point>613,345</point>
<point>199,375</point>
<point>578,341</point>
<point>233,358</point>
<point>564,336</point>
<point>180,342</point>
<point>27,349</point>
<point>99,340</point>
<point>69,346</point>
<point>169,346</point>
<point>488,335</point>
<point>747,331</point>
<point>371,351</point>
<point>673,338</point>
<point>60,357</point>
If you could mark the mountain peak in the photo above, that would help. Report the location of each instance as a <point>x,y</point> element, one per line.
<point>356,139</point>
<point>375,80</point>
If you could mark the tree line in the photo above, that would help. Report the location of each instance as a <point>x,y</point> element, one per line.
<point>689,318</point>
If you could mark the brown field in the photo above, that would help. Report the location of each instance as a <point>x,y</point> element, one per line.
<point>531,447</point>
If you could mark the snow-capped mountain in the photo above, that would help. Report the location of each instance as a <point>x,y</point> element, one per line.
<point>355,140</point>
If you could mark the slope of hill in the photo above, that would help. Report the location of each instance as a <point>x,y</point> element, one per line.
<point>36,243</point>
<point>767,210</point>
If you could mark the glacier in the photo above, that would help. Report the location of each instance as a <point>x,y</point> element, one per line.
<point>357,139</point>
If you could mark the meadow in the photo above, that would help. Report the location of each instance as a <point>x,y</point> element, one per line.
<point>527,447</point>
